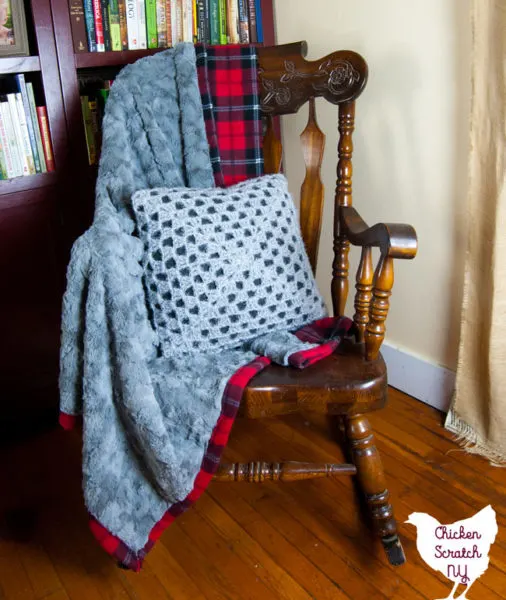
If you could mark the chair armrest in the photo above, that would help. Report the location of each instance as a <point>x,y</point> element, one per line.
<point>394,239</point>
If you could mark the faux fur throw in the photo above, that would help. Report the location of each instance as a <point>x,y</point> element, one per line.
<point>147,418</point>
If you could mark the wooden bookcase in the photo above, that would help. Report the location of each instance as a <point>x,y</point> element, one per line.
<point>41,215</point>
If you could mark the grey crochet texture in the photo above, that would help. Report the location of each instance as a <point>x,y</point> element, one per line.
<point>147,419</point>
<point>224,266</point>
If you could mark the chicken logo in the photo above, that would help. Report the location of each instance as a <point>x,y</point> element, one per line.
<point>459,550</point>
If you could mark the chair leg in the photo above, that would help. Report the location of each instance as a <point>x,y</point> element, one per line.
<point>371,479</point>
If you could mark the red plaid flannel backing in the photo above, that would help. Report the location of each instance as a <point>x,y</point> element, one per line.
<point>228,83</point>
<point>328,332</point>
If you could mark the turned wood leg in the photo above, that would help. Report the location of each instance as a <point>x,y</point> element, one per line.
<point>371,479</point>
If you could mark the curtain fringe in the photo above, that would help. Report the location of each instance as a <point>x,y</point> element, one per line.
<point>471,442</point>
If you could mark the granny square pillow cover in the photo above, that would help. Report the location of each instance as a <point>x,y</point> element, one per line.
<point>223,266</point>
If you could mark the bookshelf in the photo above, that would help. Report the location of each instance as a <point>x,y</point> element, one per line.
<point>42,214</point>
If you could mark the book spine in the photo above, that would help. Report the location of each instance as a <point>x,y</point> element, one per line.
<point>114,24</point>
<point>260,25</point>
<point>243,22</point>
<point>191,20</point>
<point>104,8</point>
<point>35,124</point>
<point>194,21</point>
<point>88,131</point>
<point>232,22</point>
<point>20,79</point>
<point>132,25</point>
<point>223,21</point>
<point>46,137</point>
<point>95,126</point>
<point>169,16</point>
<point>77,24</point>
<point>99,28</point>
<point>25,137</point>
<point>123,31</point>
<point>214,22</point>
<point>90,25</point>
<point>12,146</point>
<point>161,23</point>
<point>152,36</point>
<point>252,21</point>
<point>179,22</point>
<point>11,98</point>
<point>7,167</point>
<point>201,23</point>
<point>186,19</point>
<point>141,16</point>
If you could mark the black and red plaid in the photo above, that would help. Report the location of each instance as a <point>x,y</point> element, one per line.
<point>328,333</point>
<point>228,83</point>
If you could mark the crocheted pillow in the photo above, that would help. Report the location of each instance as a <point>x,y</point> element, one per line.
<point>224,265</point>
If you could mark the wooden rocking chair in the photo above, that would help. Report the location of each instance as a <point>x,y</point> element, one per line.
<point>351,383</point>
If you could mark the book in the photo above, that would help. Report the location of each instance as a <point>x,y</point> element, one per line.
<point>7,167</point>
<point>104,6</point>
<point>260,25</point>
<point>161,22</point>
<point>78,26</point>
<point>187,19</point>
<point>232,22</point>
<point>46,137</point>
<point>114,25</point>
<point>13,108</point>
<point>25,138</point>
<point>90,25</point>
<point>152,36</point>
<point>33,116</point>
<point>194,21</point>
<point>95,125</point>
<point>252,21</point>
<point>88,130</point>
<point>123,24</point>
<point>141,18</point>
<point>243,22</point>
<point>12,144</point>
<point>169,16</point>
<point>179,23</point>
<point>3,167</point>
<point>21,83</point>
<point>99,28</point>
<point>214,22</point>
<point>201,22</point>
<point>222,5</point>
<point>132,25</point>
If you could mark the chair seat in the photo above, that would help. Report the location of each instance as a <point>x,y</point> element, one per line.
<point>343,383</point>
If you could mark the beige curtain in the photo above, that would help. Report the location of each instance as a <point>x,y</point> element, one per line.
<point>478,413</point>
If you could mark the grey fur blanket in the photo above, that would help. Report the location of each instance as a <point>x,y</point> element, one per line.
<point>146,420</point>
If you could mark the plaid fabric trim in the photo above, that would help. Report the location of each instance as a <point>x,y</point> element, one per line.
<point>228,82</point>
<point>328,332</point>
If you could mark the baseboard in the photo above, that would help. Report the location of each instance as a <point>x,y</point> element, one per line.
<point>425,381</point>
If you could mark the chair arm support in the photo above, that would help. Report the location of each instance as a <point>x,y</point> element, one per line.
<point>394,239</point>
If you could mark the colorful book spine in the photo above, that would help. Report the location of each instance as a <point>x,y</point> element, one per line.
<point>222,6</point>
<point>243,22</point>
<point>141,16</point>
<point>11,98</point>
<point>12,145</point>
<point>152,36</point>
<point>78,26</point>
<point>252,21</point>
<point>21,83</point>
<point>195,20</point>
<point>132,25</point>
<point>25,137</point>
<point>90,25</point>
<point>99,27</point>
<point>46,137</point>
<point>88,130</point>
<point>232,22</point>
<point>214,21</point>
<point>169,17</point>
<point>123,31</point>
<point>161,23</point>
<point>7,168</point>
<point>260,25</point>
<point>114,24</point>
<point>201,23</point>
<point>104,7</point>
<point>35,123</point>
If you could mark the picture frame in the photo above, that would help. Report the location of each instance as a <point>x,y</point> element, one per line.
<point>13,34</point>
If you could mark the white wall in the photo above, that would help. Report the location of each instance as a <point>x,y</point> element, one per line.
<point>410,159</point>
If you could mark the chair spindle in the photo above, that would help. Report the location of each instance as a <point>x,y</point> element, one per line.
<point>312,190</point>
<point>273,149</point>
<point>383,283</point>
<point>257,472</point>
<point>343,197</point>
<point>363,296</point>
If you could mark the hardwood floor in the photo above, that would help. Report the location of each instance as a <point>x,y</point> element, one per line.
<point>248,541</point>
